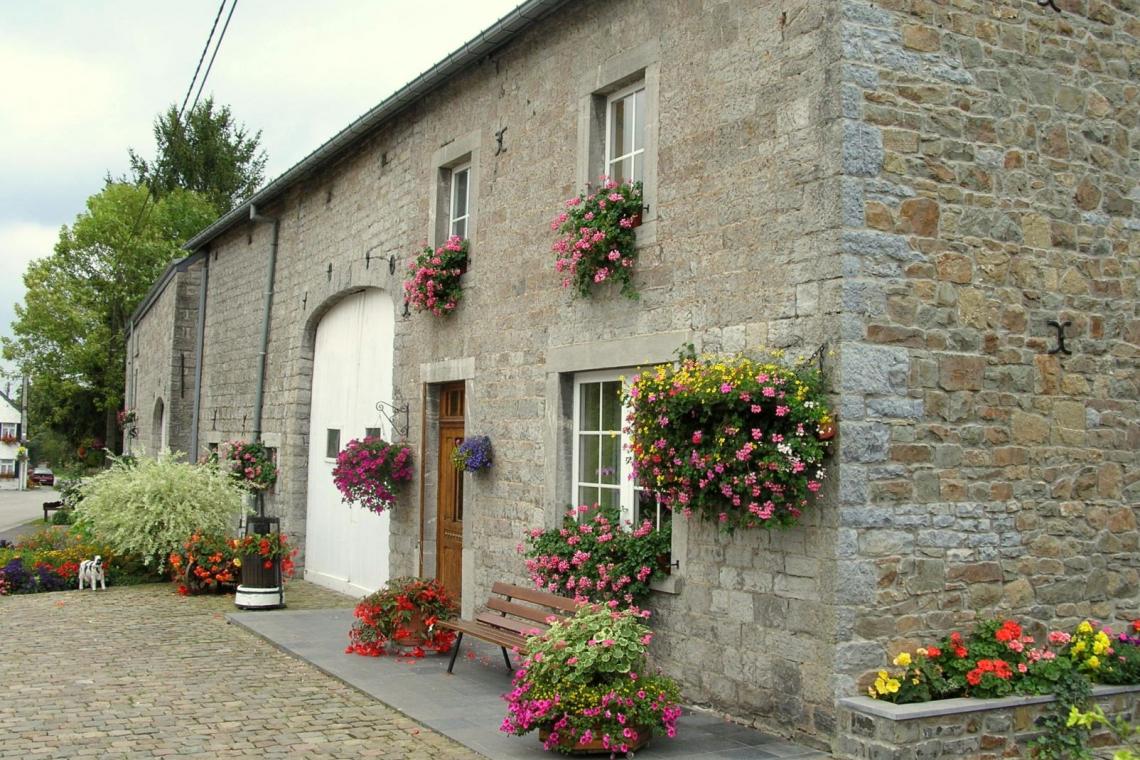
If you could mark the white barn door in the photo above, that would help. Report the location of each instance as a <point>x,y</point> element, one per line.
<point>347,545</point>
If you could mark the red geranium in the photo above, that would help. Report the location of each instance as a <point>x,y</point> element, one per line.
<point>1009,631</point>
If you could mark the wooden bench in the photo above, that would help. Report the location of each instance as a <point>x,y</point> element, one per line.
<point>508,622</point>
<point>51,506</point>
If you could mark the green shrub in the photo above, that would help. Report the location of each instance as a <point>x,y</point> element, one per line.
<point>62,517</point>
<point>148,507</point>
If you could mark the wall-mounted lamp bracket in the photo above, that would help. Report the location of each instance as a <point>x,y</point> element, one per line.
<point>1060,336</point>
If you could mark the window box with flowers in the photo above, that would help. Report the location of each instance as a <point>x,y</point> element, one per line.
<point>368,472</point>
<point>435,282</point>
<point>736,441</point>
<point>597,242</point>
<point>995,670</point>
<point>597,559</point>
<point>586,686</point>
<point>402,616</point>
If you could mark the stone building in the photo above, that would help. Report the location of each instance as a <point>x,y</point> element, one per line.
<point>925,187</point>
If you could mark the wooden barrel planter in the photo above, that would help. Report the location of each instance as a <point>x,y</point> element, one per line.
<point>262,588</point>
<point>572,746</point>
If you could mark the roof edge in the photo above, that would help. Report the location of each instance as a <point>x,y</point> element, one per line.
<point>159,286</point>
<point>490,39</point>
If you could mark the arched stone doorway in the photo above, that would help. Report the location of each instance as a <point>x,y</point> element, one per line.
<point>346,546</point>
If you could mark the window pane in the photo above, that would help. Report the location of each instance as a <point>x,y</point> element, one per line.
<point>610,497</point>
<point>638,172</point>
<point>611,405</point>
<point>459,193</point>
<point>588,452</point>
<point>621,171</point>
<point>610,470</point>
<point>587,495</point>
<point>372,433</point>
<point>618,131</point>
<point>459,227</point>
<point>589,399</point>
<point>332,443</point>
<point>639,120</point>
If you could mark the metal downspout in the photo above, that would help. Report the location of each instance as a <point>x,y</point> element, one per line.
<point>199,352</point>
<point>263,354</point>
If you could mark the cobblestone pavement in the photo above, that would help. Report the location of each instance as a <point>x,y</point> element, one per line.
<point>142,672</point>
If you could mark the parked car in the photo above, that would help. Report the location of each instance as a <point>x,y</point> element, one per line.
<point>42,476</point>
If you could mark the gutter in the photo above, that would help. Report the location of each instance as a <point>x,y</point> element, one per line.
<point>267,310</point>
<point>484,44</point>
<point>199,355</point>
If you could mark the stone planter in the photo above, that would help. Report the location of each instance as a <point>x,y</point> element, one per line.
<point>960,728</point>
<point>595,747</point>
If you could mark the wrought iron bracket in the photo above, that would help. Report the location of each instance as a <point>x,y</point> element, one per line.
<point>392,413</point>
<point>499,147</point>
<point>1049,3</point>
<point>1060,336</point>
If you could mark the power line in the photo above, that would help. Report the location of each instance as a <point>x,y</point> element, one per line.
<point>221,37</point>
<point>201,58</point>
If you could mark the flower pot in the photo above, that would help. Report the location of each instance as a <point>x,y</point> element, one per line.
<point>595,746</point>
<point>826,431</point>
<point>416,632</point>
<point>260,587</point>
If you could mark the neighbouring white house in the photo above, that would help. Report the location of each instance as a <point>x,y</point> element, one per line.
<point>11,431</point>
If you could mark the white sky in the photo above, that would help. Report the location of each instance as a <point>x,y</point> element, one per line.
<point>84,81</point>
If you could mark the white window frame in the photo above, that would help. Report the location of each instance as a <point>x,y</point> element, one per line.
<point>627,488</point>
<point>8,429</point>
<point>639,121</point>
<point>452,195</point>
<point>8,467</point>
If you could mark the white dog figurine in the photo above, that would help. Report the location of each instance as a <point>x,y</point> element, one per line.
<point>91,570</point>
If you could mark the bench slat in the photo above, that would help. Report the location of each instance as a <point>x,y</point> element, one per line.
<point>523,611</point>
<point>522,628</point>
<point>486,633</point>
<point>535,596</point>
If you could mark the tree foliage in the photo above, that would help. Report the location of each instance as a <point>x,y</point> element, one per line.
<point>207,152</point>
<point>69,335</point>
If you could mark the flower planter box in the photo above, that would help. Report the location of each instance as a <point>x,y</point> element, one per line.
<point>260,587</point>
<point>596,746</point>
<point>959,728</point>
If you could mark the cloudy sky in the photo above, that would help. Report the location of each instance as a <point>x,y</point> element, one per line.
<point>84,82</point>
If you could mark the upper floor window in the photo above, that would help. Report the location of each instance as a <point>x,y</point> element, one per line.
<point>625,134</point>
<point>459,206</point>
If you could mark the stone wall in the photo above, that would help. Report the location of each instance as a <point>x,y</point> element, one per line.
<point>737,255</point>
<point>965,729</point>
<point>990,158</point>
<point>160,365</point>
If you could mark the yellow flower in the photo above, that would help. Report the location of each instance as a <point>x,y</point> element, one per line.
<point>884,684</point>
<point>237,562</point>
<point>1085,627</point>
<point>1099,647</point>
<point>1078,647</point>
<point>903,660</point>
<point>1093,662</point>
<point>872,693</point>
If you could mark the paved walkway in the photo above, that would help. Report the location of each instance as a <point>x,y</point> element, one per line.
<point>138,672</point>
<point>142,672</point>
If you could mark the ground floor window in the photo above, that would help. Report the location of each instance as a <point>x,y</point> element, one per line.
<point>7,468</point>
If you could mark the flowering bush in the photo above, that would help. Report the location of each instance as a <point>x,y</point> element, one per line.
<point>597,560</point>
<point>585,678</point>
<point>999,659</point>
<point>732,439</point>
<point>251,465</point>
<point>597,238</point>
<point>434,285</point>
<point>405,610</point>
<point>48,560</point>
<point>473,455</point>
<point>368,470</point>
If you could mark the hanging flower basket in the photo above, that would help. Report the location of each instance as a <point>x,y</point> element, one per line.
<point>597,242</point>
<point>737,441</point>
<point>368,471</point>
<point>473,455</point>
<point>434,285</point>
<point>251,465</point>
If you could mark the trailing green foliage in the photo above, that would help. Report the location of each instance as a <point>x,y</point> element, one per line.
<point>150,506</point>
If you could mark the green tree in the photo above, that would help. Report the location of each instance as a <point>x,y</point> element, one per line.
<point>207,152</point>
<point>69,336</point>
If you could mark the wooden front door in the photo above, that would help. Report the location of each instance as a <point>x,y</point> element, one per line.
<point>449,562</point>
